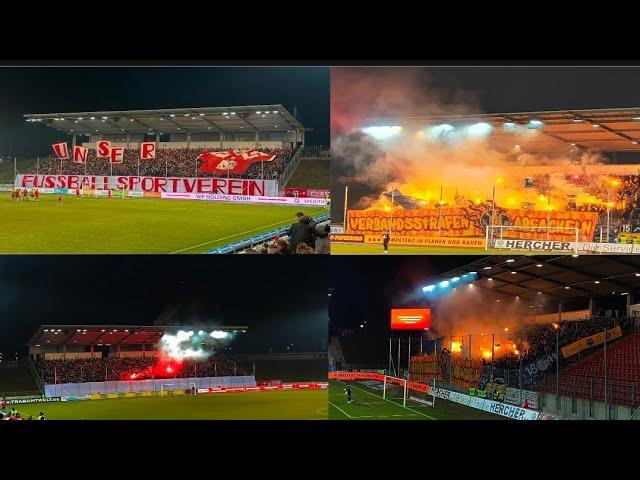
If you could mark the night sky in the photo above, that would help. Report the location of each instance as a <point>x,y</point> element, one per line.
<point>56,89</point>
<point>282,300</point>
<point>366,288</point>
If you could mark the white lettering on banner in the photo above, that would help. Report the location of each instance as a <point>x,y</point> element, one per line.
<point>513,396</point>
<point>497,408</point>
<point>592,247</point>
<point>533,245</point>
<point>202,185</point>
<point>246,199</point>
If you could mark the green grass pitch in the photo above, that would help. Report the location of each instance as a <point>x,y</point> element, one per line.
<point>274,405</point>
<point>133,225</point>
<point>368,404</point>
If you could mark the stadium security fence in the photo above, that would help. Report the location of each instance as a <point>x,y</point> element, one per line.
<point>154,386</point>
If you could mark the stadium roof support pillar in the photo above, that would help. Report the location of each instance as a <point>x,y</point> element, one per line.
<point>628,304</point>
<point>188,139</point>
<point>128,140</point>
<point>118,350</point>
<point>560,312</point>
<point>64,351</point>
<point>221,139</point>
<point>157,138</point>
<point>73,141</point>
<point>257,140</point>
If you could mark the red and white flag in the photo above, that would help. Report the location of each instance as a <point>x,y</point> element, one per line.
<point>103,149</point>
<point>61,150</point>
<point>117,154</point>
<point>231,161</point>
<point>147,150</point>
<point>80,154</point>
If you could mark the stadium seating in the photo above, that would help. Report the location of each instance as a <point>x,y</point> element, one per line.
<point>585,379</point>
<point>172,162</point>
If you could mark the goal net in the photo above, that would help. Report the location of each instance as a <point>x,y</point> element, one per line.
<point>110,191</point>
<point>171,389</point>
<point>512,237</point>
<point>411,394</point>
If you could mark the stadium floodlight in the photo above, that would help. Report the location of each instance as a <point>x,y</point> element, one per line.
<point>428,288</point>
<point>218,334</point>
<point>455,279</point>
<point>104,118</point>
<point>577,119</point>
<point>637,117</point>
<point>534,123</point>
<point>172,115</point>
<point>93,118</point>
<point>258,112</point>
<point>487,268</point>
<point>80,118</point>
<point>511,260</point>
<point>444,284</point>
<point>383,132</point>
<point>509,126</point>
<point>201,114</point>
<point>480,129</point>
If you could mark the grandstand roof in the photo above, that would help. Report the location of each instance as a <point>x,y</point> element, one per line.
<point>107,334</point>
<point>561,277</point>
<point>609,130</point>
<point>251,118</point>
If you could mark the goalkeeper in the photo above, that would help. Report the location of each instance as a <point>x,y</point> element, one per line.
<point>347,391</point>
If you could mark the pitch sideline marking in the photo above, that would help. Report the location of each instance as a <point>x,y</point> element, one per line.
<point>345,413</point>
<point>231,236</point>
<point>387,400</point>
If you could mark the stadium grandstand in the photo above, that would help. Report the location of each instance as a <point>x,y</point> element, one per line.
<point>554,335</point>
<point>571,176</point>
<point>244,170</point>
<point>182,136</point>
<point>92,363</point>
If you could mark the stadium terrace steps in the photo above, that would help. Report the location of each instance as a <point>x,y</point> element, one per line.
<point>311,173</point>
<point>16,381</point>
<point>335,351</point>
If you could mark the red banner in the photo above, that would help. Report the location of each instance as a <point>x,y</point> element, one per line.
<point>232,161</point>
<point>305,192</point>
<point>80,154</point>
<point>232,186</point>
<point>61,150</point>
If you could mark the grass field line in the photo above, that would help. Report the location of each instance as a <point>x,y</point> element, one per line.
<point>390,401</point>
<point>232,236</point>
<point>345,413</point>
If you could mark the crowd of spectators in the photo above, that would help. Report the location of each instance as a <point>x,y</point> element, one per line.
<point>539,340</point>
<point>304,237</point>
<point>116,369</point>
<point>169,162</point>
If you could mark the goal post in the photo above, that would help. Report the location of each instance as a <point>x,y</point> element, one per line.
<point>421,398</point>
<point>169,389</point>
<point>510,237</point>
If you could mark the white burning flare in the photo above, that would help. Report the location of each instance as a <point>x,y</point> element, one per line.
<point>188,344</point>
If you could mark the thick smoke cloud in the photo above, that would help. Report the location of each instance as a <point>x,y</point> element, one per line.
<point>421,160</point>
